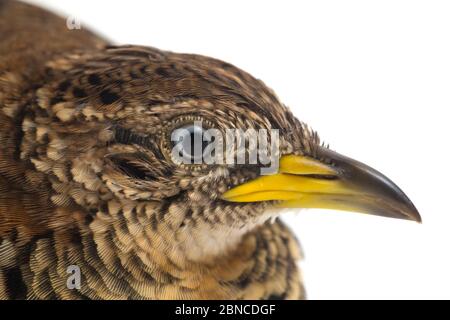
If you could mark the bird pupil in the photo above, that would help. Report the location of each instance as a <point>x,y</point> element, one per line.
<point>193,144</point>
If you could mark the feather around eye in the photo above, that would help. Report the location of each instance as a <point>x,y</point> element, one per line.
<point>126,136</point>
<point>130,168</point>
<point>136,165</point>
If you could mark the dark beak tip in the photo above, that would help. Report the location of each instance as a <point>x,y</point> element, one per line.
<point>412,214</point>
<point>412,211</point>
<point>416,217</point>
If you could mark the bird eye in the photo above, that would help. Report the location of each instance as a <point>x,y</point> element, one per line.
<point>189,143</point>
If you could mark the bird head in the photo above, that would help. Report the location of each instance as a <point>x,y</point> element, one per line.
<point>103,133</point>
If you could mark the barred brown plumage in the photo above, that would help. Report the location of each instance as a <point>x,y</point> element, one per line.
<point>86,176</point>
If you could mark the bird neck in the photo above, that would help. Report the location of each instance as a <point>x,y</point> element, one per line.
<point>156,230</point>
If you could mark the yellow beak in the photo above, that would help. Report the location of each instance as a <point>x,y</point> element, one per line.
<point>344,184</point>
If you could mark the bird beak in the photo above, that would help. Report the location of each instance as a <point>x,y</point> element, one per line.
<point>344,184</point>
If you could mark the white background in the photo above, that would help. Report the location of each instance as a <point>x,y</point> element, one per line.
<point>373,77</point>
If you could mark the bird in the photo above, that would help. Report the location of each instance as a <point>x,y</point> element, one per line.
<point>89,184</point>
